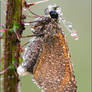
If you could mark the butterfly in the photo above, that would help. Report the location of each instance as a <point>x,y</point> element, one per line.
<point>47,55</point>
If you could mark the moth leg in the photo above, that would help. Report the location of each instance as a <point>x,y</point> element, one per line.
<point>31,4</point>
<point>27,5</point>
<point>28,36</point>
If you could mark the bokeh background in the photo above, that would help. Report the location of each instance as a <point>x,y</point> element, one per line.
<point>79,13</point>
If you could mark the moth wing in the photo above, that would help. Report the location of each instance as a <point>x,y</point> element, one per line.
<point>53,71</point>
<point>30,56</point>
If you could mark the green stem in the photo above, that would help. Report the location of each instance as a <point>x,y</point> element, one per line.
<point>12,45</point>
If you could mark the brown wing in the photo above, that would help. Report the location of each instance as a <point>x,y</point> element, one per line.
<point>53,71</point>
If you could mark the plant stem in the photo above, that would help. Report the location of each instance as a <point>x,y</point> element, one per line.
<point>12,45</point>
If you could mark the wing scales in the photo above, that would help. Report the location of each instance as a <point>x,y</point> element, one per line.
<point>53,72</point>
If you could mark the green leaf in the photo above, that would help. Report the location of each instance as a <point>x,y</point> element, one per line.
<point>15,26</point>
<point>11,30</point>
<point>13,60</point>
<point>20,60</point>
<point>12,67</point>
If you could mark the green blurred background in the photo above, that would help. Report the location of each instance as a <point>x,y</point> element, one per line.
<point>79,13</point>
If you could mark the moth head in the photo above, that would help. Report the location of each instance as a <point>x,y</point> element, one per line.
<point>53,11</point>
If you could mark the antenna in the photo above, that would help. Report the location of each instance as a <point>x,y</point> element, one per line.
<point>68,25</point>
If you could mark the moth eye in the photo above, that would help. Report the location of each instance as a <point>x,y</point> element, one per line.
<point>54,14</point>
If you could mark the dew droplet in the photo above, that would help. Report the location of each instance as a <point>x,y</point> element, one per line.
<point>70,27</point>
<point>26,24</point>
<point>24,9</point>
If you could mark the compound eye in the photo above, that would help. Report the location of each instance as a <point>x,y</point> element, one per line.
<point>54,14</point>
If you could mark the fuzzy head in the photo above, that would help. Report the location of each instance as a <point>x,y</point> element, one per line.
<point>53,11</point>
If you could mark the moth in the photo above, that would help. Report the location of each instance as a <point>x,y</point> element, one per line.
<point>47,55</point>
